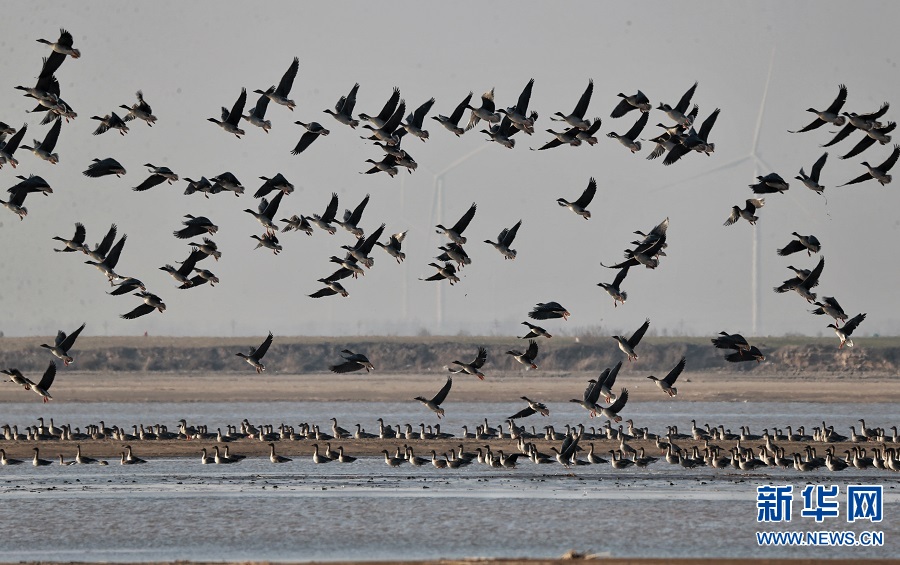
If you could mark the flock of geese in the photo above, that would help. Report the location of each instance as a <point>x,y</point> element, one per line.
<point>701,448</point>
<point>387,130</point>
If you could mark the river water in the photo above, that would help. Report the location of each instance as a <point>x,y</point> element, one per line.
<point>179,509</point>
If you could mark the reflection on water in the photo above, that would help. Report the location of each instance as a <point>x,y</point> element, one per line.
<point>180,509</point>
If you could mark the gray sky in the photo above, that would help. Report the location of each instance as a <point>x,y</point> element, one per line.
<point>191,64</point>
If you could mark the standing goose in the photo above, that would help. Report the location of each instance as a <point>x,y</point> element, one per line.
<point>812,181</point>
<point>580,206</point>
<point>415,120</point>
<point>830,306</point>
<point>487,110</point>
<point>323,222</point>
<point>455,232</point>
<point>343,110</point>
<point>314,130</point>
<point>879,173</point>
<point>527,358</point>
<point>275,458</point>
<point>637,101</point>
<point>548,310</point>
<point>667,384</point>
<point>104,167</point>
<point>451,123</point>
<point>257,115</point>
<point>199,225</point>
<point>140,111</point>
<point>230,120</point>
<point>614,289</point>
<point>504,240</point>
<point>280,95</point>
<point>829,115</point>
<point>319,458</point>
<point>435,403</point>
<point>844,332</point>
<point>393,246</point>
<point>158,175</point>
<point>532,408</point>
<point>352,362</point>
<point>44,149</point>
<point>63,344</point>
<point>576,118</point>
<point>534,331</point>
<point>627,345</point>
<point>256,354</point>
<point>77,241</point>
<point>43,387</point>
<point>750,207</point>
<point>808,243</point>
<point>630,138</point>
<point>63,45</point>
<point>108,264</point>
<point>473,368</point>
<point>151,302</point>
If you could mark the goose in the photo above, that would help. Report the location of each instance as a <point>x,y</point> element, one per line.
<point>202,277</point>
<point>278,182</point>
<point>140,111</point>
<point>297,223</point>
<point>352,362</point>
<point>158,175</point>
<point>204,459</point>
<point>835,464</point>
<point>207,248</point>
<point>612,411</point>
<point>317,458</point>
<point>451,122</point>
<point>437,463</point>
<point>487,110</point>
<point>363,247</point>
<point>672,137</point>
<point>104,167</point>
<point>85,460</point>
<point>43,386</point>
<point>455,253</point>
<point>808,243</point>
<point>607,380</point>
<point>413,460</point>
<point>331,288</point>
<point>730,341</point>
<point>678,112</point>
<point>8,149</point>
<point>567,450</point>
<point>4,460</point>
<point>392,461</point>
<point>16,377</point>
<point>44,149</point>
<point>37,461</point>
<point>641,460</point>
<point>387,165</point>
<point>233,457</point>
<point>63,344</point>
<point>63,45</point>
<point>314,130</point>
<point>16,202</point>
<point>527,358</point>
<point>879,134</point>
<point>627,345</point>
<point>534,331</point>
<point>811,181</point>
<point>194,226</point>
<point>548,310</point>
<point>455,232</point>
<point>344,458</point>
<point>387,111</point>
<point>637,101</point>
<point>532,408</point>
<point>801,465</point>
<point>567,137</point>
<point>576,118</point>
<point>589,135</point>
<point>830,115</point>
<point>221,459</point>
<point>203,186</point>
<point>614,290</point>
<point>593,458</point>
<point>108,122</point>
<point>445,271</point>
<point>694,140</point>
<point>619,462</point>
<point>414,121</point>
<point>182,273</point>
<point>769,184</point>
<point>227,182</point>
<point>473,368</point>
<point>100,251</point>
<point>267,211</point>
<point>280,94</point>
<point>804,286</point>
<point>343,110</point>
<point>518,114</point>
<point>323,222</point>
<point>393,246</point>
<point>747,213</point>
<point>108,264</point>
<point>31,183</point>
<point>844,332</point>
<point>666,384</point>
<point>864,122</point>
<point>580,205</point>
<point>349,267</point>
<point>231,119</point>
<point>434,404</point>
<point>151,302</point>
<point>879,173</point>
<point>385,131</point>
<point>256,354</point>
<point>505,240</point>
<point>630,138</point>
<point>275,458</point>
<point>131,457</point>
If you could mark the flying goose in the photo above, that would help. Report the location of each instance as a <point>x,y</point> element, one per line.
<point>630,138</point>
<point>63,344</point>
<point>607,380</point>
<point>534,331</point>
<point>879,134</point>
<point>208,248</point>
<point>140,111</point>
<point>16,377</point>
<point>678,113</point>
<point>589,135</point>
<point>414,121</point>
<point>435,403</point>
<point>567,451</point>
<point>44,149</point>
<point>751,354</point>
<point>43,386</point>
<point>297,223</point>
<point>567,137</point>
<point>694,140</point>
<point>730,341</point>
<point>108,122</point>
<point>518,114</point>
<point>673,136</point>
<point>614,289</point>
<point>548,310</point>
<point>637,101</point>
<point>830,115</point>
<point>455,232</point>
<point>203,276</point>
<point>16,203</point>
<point>844,332</point>
<point>864,122</point>
<point>257,115</point>
<point>879,173</point>
<point>504,240</point>
<point>126,286</point>
<point>278,182</point>
<point>580,206</point>
<point>360,251</point>
<point>393,246</point>
<point>804,285</point>
<point>257,353</point>
<point>63,45</point>
<point>343,110</point>
<point>332,287</point>
<point>199,225</point>
<point>108,264</point>
<point>455,253</point>
<point>158,175</point>
<point>203,186</point>
<point>352,219</point>
<point>667,384</point>
<point>74,244</point>
<point>576,118</point>
<point>487,110</point>
<point>387,111</point>
<point>770,184</point>
<point>473,368</point>
<point>532,408</point>
<point>502,133</point>
<point>527,358</point>
<point>182,274</point>
<point>612,411</point>
<point>280,94</point>
<point>8,149</point>
<point>352,362</point>
<point>627,345</point>
<point>267,211</point>
<point>808,243</point>
<point>230,120</point>
<point>104,167</point>
<point>314,130</point>
<point>386,132</point>
<point>812,181</point>
<point>387,165</point>
<point>151,302</point>
<point>451,122</point>
<point>830,306</point>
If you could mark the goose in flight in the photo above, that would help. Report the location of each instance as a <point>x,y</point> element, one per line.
<point>393,246</point>
<point>527,358</point>
<point>386,132</point>
<point>158,175</point>
<point>280,94</point>
<point>278,182</point>
<point>879,134</point>
<point>808,243</point>
<point>182,274</point>
<point>451,122</point>
<point>750,354</point>
<point>532,408</point>
<point>865,122</point>
<point>108,264</point>
<point>74,244</point>
<point>126,286</point>
<point>811,181</point>
<point>269,241</point>
<point>352,362</point>
<point>694,140</point>
<point>830,306</point>
<point>43,386</point>
<point>567,451</point>
<point>455,232</point>
<point>726,340</point>
<point>151,302</point>
<point>567,137</point>
<point>667,384</point>
<point>630,138</point>
<point>314,130</point>
<point>637,101</point>
<point>879,173</point>
<point>199,225</point>
<point>208,248</point>
<point>614,288</point>
<point>230,120</point>
<point>16,377</point>
<point>519,116</point>
<point>108,122</point>
<point>63,344</point>
<point>804,285</point>
<point>8,149</point>
<point>844,332</point>
<point>63,45</point>
<point>16,202</point>
<point>576,118</point>
<point>332,287</point>
<point>352,218</point>
<point>534,331</point>
<point>548,311</point>
<point>297,223</point>
<point>140,111</point>
<point>502,133</point>
<point>257,353</point>
<point>44,149</point>
<point>769,184</point>
<point>487,110</point>
<point>580,206</point>
<point>627,345</point>
<point>473,368</point>
<point>455,253</point>
<point>415,120</point>
<point>607,380</point>
<point>750,207</point>
<point>323,222</point>
<point>343,110</point>
<point>267,211</point>
<point>387,111</point>
<point>612,411</point>
<point>679,113</point>
<point>360,251</point>
<point>830,115</point>
<point>435,403</point>
<point>504,240</point>
<point>257,115</point>
<point>104,167</point>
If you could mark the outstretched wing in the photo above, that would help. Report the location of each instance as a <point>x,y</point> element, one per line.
<point>581,107</point>
<point>480,358</point>
<point>507,236</point>
<point>849,326</point>
<point>638,126</point>
<point>611,378</point>
<point>635,338</point>
<point>464,221</point>
<point>793,247</point>
<point>588,194</point>
<point>50,374</point>
<point>673,374</point>
<point>69,340</point>
<point>264,346</point>
<point>532,350</point>
<point>523,413</point>
<point>287,81</point>
<point>620,401</point>
<point>442,394</point>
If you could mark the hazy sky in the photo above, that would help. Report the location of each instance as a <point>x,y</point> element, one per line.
<point>192,58</point>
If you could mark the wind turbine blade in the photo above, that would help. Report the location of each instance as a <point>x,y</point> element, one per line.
<point>724,167</point>
<point>762,105</point>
